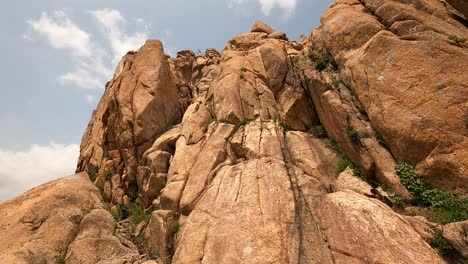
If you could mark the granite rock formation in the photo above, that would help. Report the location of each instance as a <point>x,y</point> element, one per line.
<point>232,156</point>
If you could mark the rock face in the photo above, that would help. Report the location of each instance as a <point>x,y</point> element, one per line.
<point>409,78</point>
<point>226,157</point>
<point>138,104</point>
<point>65,215</point>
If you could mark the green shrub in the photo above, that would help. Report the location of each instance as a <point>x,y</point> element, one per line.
<point>384,23</point>
<point>123,212</point>
<point>283,124</point>
<point>175,224</point>
<point>108,174</point>
<point>448,206</point>
<point>440,243</point>
<point>92,172</point>
<point>380,139</point>
<point>163,182</point>
<point>320,63</point>
<point>335,81</point>
<point>296,62</point>
<point>369,10</point>
<point>139,240</point>
<point>60,259</point>
<point>397,200</point>
<point>120,212</point>
<point>343,163</point>
<point>103,194</point>
<point>138,215</point>
<point>458,40</point>
<point>352,134</point>
<point>318,131</point>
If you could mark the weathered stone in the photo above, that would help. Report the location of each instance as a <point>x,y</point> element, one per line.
<point>261,27</point>
<point>96,242</point>
<point>159,234</point>
<point>37,226</point>
<point>368,231</point>
<point>457,235</point>
<point>347,181</point>
<point>139,102</point>
<point>419,118</point>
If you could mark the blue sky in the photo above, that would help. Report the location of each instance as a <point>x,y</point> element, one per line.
<point>58,54</point>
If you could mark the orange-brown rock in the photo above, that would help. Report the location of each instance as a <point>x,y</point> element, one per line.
<point>138,104</point>
<point>409,77</point>
<point>64,219</point>
<point>362,230</point>
<point>223,157</point>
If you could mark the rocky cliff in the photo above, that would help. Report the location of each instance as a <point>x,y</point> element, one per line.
<point>348,146</point>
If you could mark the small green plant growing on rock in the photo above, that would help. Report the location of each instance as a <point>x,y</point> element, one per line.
<point>352,134</point>
<point>458,40</point>
<point>296,62</point>
<point>448,206</point>
<point>318,131</point>
<point>343,163</point>
<point>92,172</point>
<point>369,10</point>
<point>283,124</point>
<point>395,199</point>
<point>175,224</point>
<point>440,243</point>
<point>108,174</point>
<point>380,139</point>
<point>320,64</point>
<point>384,23</point>
<point>60,259</point>
<point>138,215</point>
<point>139,240</point>
<point>163,182</point>
<point>335,80</point>
<point>103,193</point>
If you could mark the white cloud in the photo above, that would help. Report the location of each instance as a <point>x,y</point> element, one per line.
<point>112,23</point>
<point>83,79</point>
<point>89,56</point>
<point>288,6</point>
<point>62,33</point>
<point>90,98</point>
<point>22,170</point>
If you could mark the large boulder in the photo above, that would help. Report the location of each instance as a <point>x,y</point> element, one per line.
<point>363,230</point>
<point>40,225</point>
<point>403,66</point>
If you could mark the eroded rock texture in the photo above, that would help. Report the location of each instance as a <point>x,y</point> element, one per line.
<point>63,220</point>
<point>226,150</point>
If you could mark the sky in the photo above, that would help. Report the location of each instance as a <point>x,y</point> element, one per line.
<point>58,55</point>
